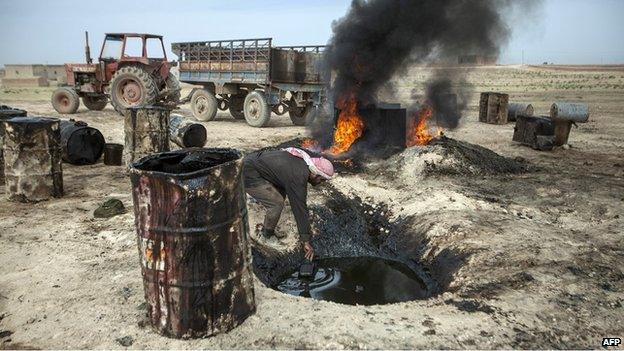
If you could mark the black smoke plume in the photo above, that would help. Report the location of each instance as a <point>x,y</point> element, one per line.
<point>379,39</point>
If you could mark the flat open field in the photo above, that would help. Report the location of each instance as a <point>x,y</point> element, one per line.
<point>527,260</point>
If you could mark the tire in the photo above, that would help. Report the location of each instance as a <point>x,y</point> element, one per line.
<point>95,103</point>
<point>236,106</point>
<point>302,116</point>
<point>172,83</point>
<point>65,100</point>
<point>204,105</point>
<point>257,110</point>
<point>131,86</point>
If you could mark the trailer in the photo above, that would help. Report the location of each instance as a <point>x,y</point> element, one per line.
<point>251,78</point>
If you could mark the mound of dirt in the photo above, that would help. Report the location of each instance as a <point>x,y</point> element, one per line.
<point>447,156</point>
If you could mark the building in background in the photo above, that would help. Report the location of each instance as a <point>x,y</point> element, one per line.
<point>33,75</point>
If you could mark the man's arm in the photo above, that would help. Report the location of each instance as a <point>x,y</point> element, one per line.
<point>297,196</point>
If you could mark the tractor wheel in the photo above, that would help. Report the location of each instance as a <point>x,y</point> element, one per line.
<point>257,110</point>
<point>172,83</point>
<point>302,116</point>
<point>204,105</point>
<point>131,86</point>
<point>95,103</point>
<point>65,100</point>
<point>236,106</point>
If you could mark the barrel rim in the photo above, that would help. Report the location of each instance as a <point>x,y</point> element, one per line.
<point>134,170</point>
<point>33,119</point>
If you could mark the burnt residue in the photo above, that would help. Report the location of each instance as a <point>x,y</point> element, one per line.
<point>32,155</point>
<point>192,232</point>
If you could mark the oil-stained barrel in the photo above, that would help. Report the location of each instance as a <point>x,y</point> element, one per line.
<point>32,159</point>
<point>146,131</point>
<point>569,111</point>
<point>192,227</point>
<point>81,144</point>
<point>516,109</point>
<point>185,133</point>
<point>493,108</point>
<point>6,113</point>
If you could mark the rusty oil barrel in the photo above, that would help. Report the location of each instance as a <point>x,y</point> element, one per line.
<point>113,154</point>
<point>7,113</point>
<point>493,107</point>
<point>570,111</point>
<point>191,220</point>
<point>32,159</point>
<point>146,131</point>
<point>185,133</point>
<point>81,144</point>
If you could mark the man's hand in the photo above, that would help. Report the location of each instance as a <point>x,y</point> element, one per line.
<point>308,250</point>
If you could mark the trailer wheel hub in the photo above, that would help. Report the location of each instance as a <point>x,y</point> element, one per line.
<point>254,108</point>
<point>201,103</point>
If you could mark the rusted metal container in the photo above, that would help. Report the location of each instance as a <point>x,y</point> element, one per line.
<point>32,159</point>
<point>185,133</point>
<point>146,131</point>
<point>191,220</point>
<point>81,144</point>
<point>516,109</point>
<point>113,154</point>
<point>536,132</point>
<point>7,113</point>
<point>493,108</point>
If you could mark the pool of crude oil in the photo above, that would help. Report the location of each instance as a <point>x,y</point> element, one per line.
<point>357,281</point>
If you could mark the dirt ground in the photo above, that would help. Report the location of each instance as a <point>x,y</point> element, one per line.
<point>529,260</point>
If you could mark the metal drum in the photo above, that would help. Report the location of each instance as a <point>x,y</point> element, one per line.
<point>81,144</point>
<point>185,133</point>
<point>6,113</point>
<point>519,109</point>
<point>146,131</point>
<point>493,108</point>
<point>32,159</point>
<point>192,229</point>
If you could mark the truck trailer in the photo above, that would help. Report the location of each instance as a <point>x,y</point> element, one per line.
<point>252,78</point>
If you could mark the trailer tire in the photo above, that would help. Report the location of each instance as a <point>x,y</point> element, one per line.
<point>236,106</point>
<point>204,105</point>
<point>302,116</point>
<point>95,103</point>
<point>65,100</point>
<point>257,110</point>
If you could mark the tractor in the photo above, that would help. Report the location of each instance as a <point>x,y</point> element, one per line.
<point>132,71</point>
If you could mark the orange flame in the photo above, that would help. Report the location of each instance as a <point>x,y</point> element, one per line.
<point>418,130</point>
<point>349,126</point>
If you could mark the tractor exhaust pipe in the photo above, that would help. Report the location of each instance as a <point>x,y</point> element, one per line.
<point>87,49</point>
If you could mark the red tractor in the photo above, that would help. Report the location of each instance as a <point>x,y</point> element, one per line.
<point>132,71</point>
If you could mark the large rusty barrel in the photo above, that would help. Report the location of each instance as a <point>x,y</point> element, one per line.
<point>81,144</point>
<point>32,159</point>
<point>516,109</point>
<point>185,133</point>
<point>493,108</point>
<point>146,131</point>
<point>193,238</point>
<point>7,113</point>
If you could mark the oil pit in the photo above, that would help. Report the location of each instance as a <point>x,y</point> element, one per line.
<point>356,281</point>
<point>357,261</point>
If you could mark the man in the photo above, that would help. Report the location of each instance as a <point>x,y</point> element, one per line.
<point>272,175</point>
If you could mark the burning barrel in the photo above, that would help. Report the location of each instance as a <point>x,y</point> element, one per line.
<point>81,144</point>
<point>192,229</point>
<point>7,113</point>
<point>146,131</point>
<point>32,158</point>
<point>185,133</point>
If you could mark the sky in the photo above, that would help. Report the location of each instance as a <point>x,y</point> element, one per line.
<point>44,31</point>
